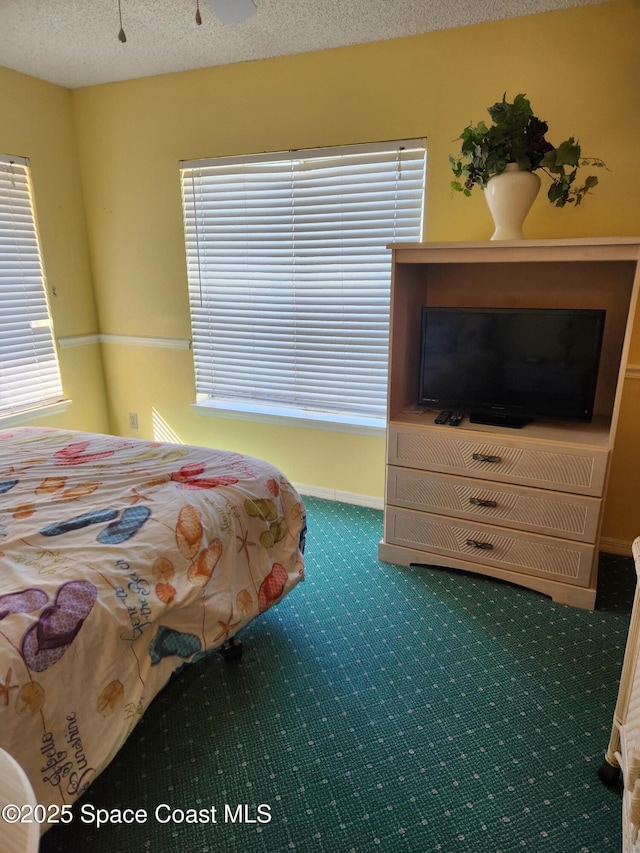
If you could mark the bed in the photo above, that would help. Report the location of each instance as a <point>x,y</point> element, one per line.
<point>121,560</point>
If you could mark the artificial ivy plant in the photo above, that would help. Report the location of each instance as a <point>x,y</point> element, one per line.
<point>518,136</point>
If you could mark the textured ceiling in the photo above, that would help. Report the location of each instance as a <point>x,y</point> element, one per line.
<point>75,42</point>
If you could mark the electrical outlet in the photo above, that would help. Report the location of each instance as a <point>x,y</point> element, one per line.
<point>133,420</point>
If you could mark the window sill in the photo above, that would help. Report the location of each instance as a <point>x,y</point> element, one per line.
<point>290,417</point>
<point>27,415</point>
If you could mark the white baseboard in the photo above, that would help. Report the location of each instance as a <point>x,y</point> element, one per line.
<point>342,497</point>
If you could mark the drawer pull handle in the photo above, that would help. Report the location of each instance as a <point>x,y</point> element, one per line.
<point>485,546</point>
<point>482,457</point>
<point>482,502</point>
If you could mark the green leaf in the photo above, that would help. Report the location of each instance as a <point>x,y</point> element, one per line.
<point>556,194</point>
<point>568,153</point>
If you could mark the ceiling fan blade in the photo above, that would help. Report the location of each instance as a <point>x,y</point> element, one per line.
<point>233,11</point>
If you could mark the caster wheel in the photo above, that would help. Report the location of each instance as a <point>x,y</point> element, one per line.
<point>231,650</point>
<point>609,775</point>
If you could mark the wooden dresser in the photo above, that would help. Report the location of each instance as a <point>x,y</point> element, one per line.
<point>524,505</point>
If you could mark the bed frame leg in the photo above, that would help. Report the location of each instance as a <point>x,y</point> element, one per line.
<point>231,650</point>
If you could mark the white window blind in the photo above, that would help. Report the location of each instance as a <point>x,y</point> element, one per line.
<point>29,372</point>
<point>289,274</point>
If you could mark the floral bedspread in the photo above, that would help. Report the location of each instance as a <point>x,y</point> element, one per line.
<point>120,560</point>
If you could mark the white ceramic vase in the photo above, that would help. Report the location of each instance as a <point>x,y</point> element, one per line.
<point>510,196</point>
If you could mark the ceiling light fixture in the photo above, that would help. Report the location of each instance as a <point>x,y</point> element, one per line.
<point>228,11</point>
<point>232,11</point>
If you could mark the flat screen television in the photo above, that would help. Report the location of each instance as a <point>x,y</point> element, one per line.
<point>507,366</point>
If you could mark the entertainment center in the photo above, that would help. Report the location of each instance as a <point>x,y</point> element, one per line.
<point>522,505</point>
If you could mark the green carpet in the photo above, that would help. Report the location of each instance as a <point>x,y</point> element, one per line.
<point>381,708</point>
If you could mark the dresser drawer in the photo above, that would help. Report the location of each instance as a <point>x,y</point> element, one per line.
<point>569,469</point>
<point>524,553</point>
<point>520,507</point>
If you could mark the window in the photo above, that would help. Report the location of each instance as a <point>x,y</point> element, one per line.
<point>289,276</point>
<point>29,372</point>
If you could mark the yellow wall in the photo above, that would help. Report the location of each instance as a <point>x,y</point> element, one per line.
<point>36,121</point>
<point>578,67</point>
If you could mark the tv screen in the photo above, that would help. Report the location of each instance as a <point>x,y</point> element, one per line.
<point>510,365</point>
